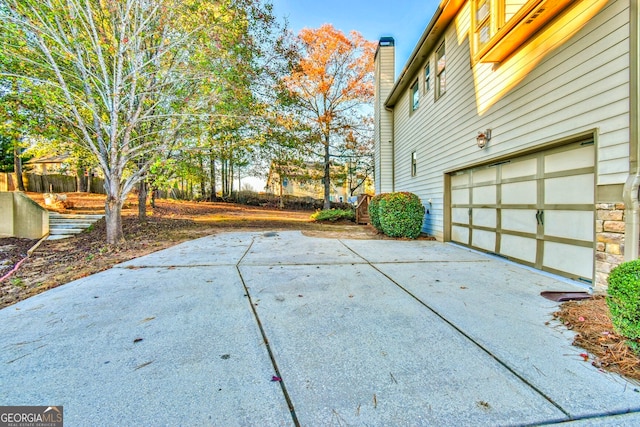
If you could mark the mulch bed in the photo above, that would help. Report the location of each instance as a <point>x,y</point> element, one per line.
<point>606,349</point>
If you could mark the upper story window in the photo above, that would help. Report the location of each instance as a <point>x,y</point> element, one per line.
<point>427,78</point>
<point>415,96</point>
<point>501,26</point>
<point>441,75</point>
<point>483,28</point>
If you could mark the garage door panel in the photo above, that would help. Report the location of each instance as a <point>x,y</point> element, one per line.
<point>485,195</point>
<point>519,220</point>
<point>460,234</point>
<point>520,168</point>
<point>460,179</point>
<point>572,159</point>
<point>481,176</point>
<point>572,259</point>
<point>460,197</point>
<point>520,193</point>
<point>484,240</point>
<point>460,215</point>
<point>485,217</point>
<point>518,247</point>
<point>575,225</point>
<point>569,190</point>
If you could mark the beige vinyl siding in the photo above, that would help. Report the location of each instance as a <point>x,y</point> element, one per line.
<point>580,87</point>
<point>512,7</point>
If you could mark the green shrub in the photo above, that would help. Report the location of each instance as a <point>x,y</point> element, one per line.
<point>401,215</point>
<point>333,215</point>
<point>374,211</point>
<point>623,299</point>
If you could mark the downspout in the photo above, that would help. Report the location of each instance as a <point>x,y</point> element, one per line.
<point>632,186</point>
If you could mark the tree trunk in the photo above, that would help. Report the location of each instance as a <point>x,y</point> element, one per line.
<point>17,167</point>
<point>281,193</point>
<point>80,180</point>
<point>223,177</point>
<point>142,201</point>
<point>203,193</point>
<point>327,170</point>
<point>113,218</point>
<point>230,178</point>
<point>212,170</point>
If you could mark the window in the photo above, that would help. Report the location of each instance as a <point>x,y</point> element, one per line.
<point>427,78</point>
<point>501,26</point>
<point>483,23</point>
<point>441,76</point>
<point>414,161</point>
<point>415,96</point>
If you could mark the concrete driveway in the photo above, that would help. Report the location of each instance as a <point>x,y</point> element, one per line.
<point>270,329</point>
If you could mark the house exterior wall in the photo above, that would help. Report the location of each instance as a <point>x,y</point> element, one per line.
<point>567,83</point>
<point>313,188</point>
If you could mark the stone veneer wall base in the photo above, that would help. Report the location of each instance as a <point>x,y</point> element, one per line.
<point>609,242</point>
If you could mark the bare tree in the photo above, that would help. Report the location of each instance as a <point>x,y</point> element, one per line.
<point>119,65</point>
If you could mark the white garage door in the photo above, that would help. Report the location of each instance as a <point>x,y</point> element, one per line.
<point>536,209</point>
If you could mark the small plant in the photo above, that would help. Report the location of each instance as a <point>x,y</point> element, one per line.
<point>18,282</point>
<point>623,299</point>
<point>333,215</point>
<point>401,215</point>
<point>374,211</point>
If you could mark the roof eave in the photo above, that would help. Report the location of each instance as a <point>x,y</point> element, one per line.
<point>444,14</point>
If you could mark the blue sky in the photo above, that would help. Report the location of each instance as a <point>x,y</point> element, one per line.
<point>404,20</point>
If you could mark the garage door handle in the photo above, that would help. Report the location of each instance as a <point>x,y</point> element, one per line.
<point>541,217</point>
<point>538,217</point>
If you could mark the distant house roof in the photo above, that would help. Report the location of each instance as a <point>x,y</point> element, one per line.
<point>48,159</point>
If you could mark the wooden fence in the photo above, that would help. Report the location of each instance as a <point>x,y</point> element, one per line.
<point>48,183</point>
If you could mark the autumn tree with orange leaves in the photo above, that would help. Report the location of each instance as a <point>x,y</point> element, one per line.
<point>330,83</point>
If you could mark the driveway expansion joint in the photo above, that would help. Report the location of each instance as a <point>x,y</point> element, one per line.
<point>265,339</point>
<point>467,336</point>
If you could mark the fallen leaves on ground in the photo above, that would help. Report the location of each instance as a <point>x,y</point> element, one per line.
<point>594,333</point>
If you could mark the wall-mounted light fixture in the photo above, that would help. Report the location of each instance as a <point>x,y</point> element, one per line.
<point>483,138</point>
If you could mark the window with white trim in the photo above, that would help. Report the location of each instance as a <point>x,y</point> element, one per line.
<point>441,73</point>
<point>427,78</point>
<point>415,96</point>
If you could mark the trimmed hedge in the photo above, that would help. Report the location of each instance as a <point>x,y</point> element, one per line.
<point>333,215</point>
<point>623,299</point>
<point>374,211</point>
<point>401,214</point>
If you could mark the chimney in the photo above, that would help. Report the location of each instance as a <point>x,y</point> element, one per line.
<point>383,127</point>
